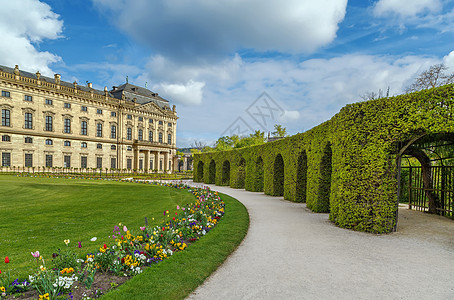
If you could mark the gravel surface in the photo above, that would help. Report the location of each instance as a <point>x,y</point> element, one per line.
<point>292,253</point>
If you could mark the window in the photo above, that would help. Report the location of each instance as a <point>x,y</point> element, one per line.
<point>28,98</point>
<point>6,94</point>
<point>28,121</point>
<point>67,105</point>
<point>48,102</point>
<point>169,139</point>
<point>6,138</point>
<point>83,145</point>
<point>99,130</point>
<point>140,119</point>
<point>160,123</point>
<point>28,140</point>
<point>129,134</point>
<point>99,111</point>
<point>129,148</point>
<point>6,159</point>
<point>150,121</point>
<point>150,136</point>
<point>67,161</point>
<point>67,126</point>
<point>83,162</point>
<point>98,146</point>
<point>169,124</point>
<point>113,162</point>
<point>113,147</point>
<point>113,131</point>
<point>129,163</point>
<point>83,108</point>
<point>49,159</point>
<point>129,117</point>
<point>140,135</point>
<point>83,128</point>
<point>113,114</point>
<point>67,143</point>
<point>28,160</point>
<point>160,137</point>
<point>49,120</point>
<point>6,117</point>
<point>49,142</point>
<point>99,162</point>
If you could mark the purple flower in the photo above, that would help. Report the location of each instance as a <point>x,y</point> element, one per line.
<point>80,245</point>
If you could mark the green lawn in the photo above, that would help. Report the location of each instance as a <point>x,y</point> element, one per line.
<point>39,213</point>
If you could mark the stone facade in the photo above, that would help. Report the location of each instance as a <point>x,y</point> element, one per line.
<point>52,123</point>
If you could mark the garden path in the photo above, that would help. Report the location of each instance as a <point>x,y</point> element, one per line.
<point>292,253</point>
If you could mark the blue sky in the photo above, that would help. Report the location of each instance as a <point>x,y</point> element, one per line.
<point>234,66</point>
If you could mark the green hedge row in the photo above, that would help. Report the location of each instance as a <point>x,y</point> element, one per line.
<point>345,166</point>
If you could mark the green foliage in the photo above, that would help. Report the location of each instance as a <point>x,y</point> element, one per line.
<point>279,131</point>
<point>278,178</point>
<point>356,183</point>
<point>225,173</point>
<point>235,141</point>
<point>301,178</point>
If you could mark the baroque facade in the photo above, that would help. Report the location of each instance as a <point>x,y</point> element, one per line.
<point>47,122</point>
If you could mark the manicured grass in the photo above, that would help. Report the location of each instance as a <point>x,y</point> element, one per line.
<point>177,277</point>
<point>39,213</point>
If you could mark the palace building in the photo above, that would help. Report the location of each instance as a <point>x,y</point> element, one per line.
<point>47,122</point>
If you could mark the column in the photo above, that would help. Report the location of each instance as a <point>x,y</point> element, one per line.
<point>156,160</point>
<point>147,161</point>
<point>136,159</point>
<point>166,161</point>
<point>185,163</point>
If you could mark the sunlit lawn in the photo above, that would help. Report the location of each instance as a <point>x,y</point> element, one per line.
<point>39,213</point>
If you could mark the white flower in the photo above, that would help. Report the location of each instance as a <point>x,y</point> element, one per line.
<point>93,239</point>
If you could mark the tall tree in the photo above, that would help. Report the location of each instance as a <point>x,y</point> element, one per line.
<point>433,77</point>
<point>279,131</point>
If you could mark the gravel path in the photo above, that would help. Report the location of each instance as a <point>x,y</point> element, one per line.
<point>292,253</point>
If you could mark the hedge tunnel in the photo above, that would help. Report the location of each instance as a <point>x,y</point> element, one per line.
<point>348,165</point>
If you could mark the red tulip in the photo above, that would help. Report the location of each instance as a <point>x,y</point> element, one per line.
<point>105,246</point>
<point>6,260</point>
<point>0,271</point>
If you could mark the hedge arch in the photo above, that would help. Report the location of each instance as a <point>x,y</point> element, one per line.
<point>324,189</point>
<point>259,175</point>
<point>352,159</point>
<point>199,172</point>
<point>301,177</point>
<point>225,176</point>
<point>241,173</point>
<point>212,172</point>
<point>278,176</point>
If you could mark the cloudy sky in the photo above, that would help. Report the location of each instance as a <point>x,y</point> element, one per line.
<point>232,66</point>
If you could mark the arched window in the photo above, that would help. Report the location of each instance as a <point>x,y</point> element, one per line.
<point>160,137</point>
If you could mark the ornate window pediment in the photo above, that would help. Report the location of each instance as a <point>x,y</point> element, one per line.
<point>6,106</point>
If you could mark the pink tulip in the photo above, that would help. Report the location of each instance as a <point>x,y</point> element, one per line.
<point>35,254</point>
<point>142,228</point>
<point>178,207</point>
<point>125,228</point>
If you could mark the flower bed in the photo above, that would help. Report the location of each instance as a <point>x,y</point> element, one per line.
<point>126,257</point>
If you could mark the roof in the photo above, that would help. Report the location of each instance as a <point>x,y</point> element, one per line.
<point>139,94</point>
<point>52,80</point>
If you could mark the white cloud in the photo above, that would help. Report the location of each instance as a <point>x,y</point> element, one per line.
<point>202,29</point>
<point>23,24</point>
<point>406,9</point>
<point>310,92</point>
<point>448,61</point>
<point>190,93</point>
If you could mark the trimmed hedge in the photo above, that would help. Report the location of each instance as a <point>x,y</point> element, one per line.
<point>345,166</point>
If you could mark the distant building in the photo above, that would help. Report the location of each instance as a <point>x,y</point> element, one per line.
<point>52,123</point>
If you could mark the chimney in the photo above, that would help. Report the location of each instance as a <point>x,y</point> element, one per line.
<point>114,88</point>
<point>90,85</point>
